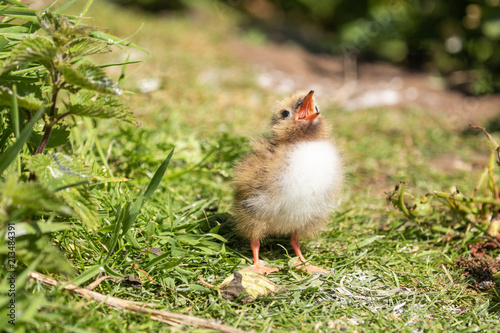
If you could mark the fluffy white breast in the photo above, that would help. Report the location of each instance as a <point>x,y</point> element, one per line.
<point>313,170</point>
<point>310,182</point>
<point>307,187</point>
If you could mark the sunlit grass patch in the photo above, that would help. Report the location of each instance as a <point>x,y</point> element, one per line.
<point>388,273</point>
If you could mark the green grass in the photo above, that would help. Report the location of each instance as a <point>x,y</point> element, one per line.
<point>208,107</point>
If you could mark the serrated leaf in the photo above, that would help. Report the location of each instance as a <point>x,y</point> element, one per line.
<point>65,174</point>
<point>83,203</point>
<point>61,28</point>
<point>29,197</point>
<point>59,169</point>
<point>58,137</point>
<point>84,46</point>
<point>91,77</point>
<point>31,49</point>
<point>91,104</point>
<point>29,102</point>
<point>3,42</point>
<point>33,248</point>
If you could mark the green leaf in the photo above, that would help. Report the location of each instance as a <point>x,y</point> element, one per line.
<point>17,11</point>
<point>58,137</point>
<point>6,28</point>
<point>61,28</point>
<point>91,104</point>
<point>27,198</point>
<point>31,49</point>
<point>31,248</point>
<point>120,216</point>
<point>115,40</point>
<point>11,153</point>
<point>88,274</point>
<point>83,203</point>
<point>15,78</point>
<point>3,42</point>
<point>29,102</point>
<point>132,214</point>
<point>363,243</point>
<point>16,3</point>
<point>85,46</point>
<point>158,176</point>
<point>38,227</point>
<point>61,171</point>
<point>131,240</point>
<point>91,77</point>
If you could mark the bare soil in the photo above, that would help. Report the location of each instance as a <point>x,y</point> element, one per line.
<point>480,266</point>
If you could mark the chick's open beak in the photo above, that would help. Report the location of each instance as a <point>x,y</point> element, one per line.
<point>306,110</point>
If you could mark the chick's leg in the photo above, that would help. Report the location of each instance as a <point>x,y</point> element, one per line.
<point>301,261</point>
<point>258,266</point>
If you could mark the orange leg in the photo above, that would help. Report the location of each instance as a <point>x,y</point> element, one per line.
<point>301,261</point>
<point>258,266</point>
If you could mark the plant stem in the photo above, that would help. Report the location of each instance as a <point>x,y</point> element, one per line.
<point>465,199</point>
<point>47,128</point>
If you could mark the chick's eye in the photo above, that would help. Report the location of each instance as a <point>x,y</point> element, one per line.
<point>285,114</point>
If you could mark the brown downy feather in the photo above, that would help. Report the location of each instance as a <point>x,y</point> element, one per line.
<point>258,174</point>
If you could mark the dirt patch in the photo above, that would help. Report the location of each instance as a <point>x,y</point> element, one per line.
<point>479,249</point>
<point>480,266</point>
<point>354,86</point>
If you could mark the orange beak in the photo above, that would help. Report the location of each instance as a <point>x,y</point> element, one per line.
<point>306,110</point>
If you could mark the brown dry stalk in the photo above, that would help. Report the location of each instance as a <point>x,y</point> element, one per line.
<point>205,283</point>
<point>166,317</point>
<point>97,282</point>
<point>485,132</point>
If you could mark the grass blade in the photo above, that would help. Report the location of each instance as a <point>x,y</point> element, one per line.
<point>14,111</point>
<point>158,176</point>
<point>11,153</point>
<point>88,274</point>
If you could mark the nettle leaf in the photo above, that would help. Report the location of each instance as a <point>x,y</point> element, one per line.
<point>91,77</point>
<point>59,170</point>
<point>29,102</point>
<point>3,42</point>
<point>83,203</point>
<point>58,137</point>
<point>68,177</point>
<point>91,104</point>
<point>40,250</point>
<point>31,49</point>
<point>85,46</point>
<point>27,198</point>
<point>61,28</point>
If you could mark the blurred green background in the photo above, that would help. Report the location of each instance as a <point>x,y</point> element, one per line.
<point>458,39</point>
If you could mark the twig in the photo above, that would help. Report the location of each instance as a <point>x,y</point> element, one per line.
<point>485,132</point>
<point>166,317</point>
<point>97,282</point>
<point>205,283</point>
